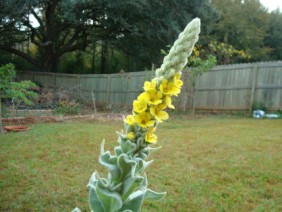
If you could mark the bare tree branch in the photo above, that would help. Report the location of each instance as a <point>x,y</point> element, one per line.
<point>21,54</point>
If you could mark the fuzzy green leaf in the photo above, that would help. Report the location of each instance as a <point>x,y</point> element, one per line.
<point>144,184</point>
<point>128,146</point>
<point>95,203</point>
<point>110,162</point>
<point>142,165</point>
<point>111,201</point>
<point>134,201</point>
<point>118,151</point>
<point>129,185</point>
<point>76,210</point>
<point>126,165</point>
<point>152,195</point>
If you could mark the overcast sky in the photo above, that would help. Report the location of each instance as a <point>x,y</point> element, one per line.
<point>272,4</point>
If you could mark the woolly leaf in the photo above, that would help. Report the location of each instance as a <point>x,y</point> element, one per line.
<point>121,137</point>
<point>94,202</point>
<point>142,153</point>
<point>128,146</point>
<point>134,201</point>
<point>126,165</point>
<point>129,185</point>
<point>111,201</point>
<point>152,195</point>
<point>144,184</point>
<point>142,165</point>
<point>76,210</point>
<point>110,162</point>
<point>118,151</point>
<point>154,149</point>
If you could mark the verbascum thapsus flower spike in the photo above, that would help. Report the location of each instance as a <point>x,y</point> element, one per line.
<point>182,48</point>
<point>125,187</point>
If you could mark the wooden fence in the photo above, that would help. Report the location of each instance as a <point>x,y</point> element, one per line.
<point>238,87</point>
<point>229,87</point>
<point>108,89</point>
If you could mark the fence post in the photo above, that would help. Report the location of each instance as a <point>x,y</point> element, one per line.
<point>253,88</point>
<point>193,92</point>
<point>55,82</point>
<point>109,90</point>
<point>78,81</point>
<point>153,69</point>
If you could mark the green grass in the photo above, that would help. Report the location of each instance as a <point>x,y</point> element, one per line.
<point>206,164</point>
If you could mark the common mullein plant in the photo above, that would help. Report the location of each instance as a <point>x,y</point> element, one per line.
<point>125,187</point>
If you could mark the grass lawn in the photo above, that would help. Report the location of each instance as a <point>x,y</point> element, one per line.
<point>206,164</point>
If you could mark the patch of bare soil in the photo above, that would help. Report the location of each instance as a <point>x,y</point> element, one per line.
<point>53,119</point>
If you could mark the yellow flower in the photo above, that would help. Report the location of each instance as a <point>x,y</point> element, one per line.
<point>130,120</point>
<point>168,88</point>
<point>167,100</point>
<point>150,85</point>
<point>177,75</point>
<point>131,136</point>
<point>143,96</point>
<point>155,97</point>
<point>139,106</point>
<point>144,120</point>
<point>150,137</point>
<point>158,113</point>
<point>177,81</point>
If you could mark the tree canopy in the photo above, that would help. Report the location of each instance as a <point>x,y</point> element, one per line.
<point>243,24</point>
<point>129,34</point>
<point>63,26</point>
<point>274,38</point>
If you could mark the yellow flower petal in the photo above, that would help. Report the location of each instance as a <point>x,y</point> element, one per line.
<point>150,85</point>
<point>168,101</point>
<point>155,97</point>
<point>139,106</point>
<point>150,137</point>
<point>131,136</point>
<point>161,116</point>
<point>158,113</point>
<point>168,88</point>
<point>178,83</point>
<point>144,96</point>
<point>178,75</point>
<point>145,120</point>
<point>130,120</point>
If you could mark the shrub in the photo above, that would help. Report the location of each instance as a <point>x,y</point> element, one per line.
<point>257,105</point>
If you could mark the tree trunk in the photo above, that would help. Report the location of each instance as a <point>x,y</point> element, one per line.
<point>225,39</point>
<point>93,56</point>
<point>104,57</point>
<point>50,62</point>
